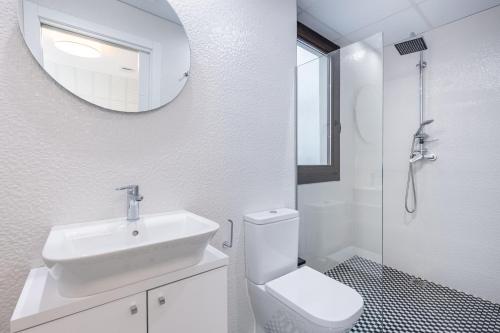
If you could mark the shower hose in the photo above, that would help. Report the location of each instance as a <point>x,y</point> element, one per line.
<point>410,181</point>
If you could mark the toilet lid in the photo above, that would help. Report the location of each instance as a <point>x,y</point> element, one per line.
<point>320,299</point>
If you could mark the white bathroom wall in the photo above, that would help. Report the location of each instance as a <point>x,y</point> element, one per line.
<point>223,148</point>
<point>344,218</point>
<point>453,239</point>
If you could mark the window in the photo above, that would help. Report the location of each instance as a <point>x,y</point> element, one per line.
<point>318,123</point>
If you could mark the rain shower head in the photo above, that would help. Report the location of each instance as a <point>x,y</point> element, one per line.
<point>411,46</point>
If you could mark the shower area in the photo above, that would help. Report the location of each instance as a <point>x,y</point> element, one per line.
<point>398,185</point>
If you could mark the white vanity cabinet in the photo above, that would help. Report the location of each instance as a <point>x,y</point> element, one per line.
<point>190,300</point>
<point>126,315</point>
<point>193,305</point>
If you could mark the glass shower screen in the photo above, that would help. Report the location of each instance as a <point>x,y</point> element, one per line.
<point>341,221</point>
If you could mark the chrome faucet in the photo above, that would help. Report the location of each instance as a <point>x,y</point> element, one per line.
<point>418,151</point>
<point>133,199</point>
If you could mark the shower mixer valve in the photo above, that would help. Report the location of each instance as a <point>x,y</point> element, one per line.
<point>414,157</point>
<point>418,151</point>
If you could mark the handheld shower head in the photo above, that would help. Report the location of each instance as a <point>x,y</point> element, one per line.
<point>422,125</point>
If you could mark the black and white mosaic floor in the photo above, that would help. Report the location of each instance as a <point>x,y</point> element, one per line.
<point>411,305</point>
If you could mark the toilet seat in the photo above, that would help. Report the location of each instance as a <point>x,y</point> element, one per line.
<point>318,298</point>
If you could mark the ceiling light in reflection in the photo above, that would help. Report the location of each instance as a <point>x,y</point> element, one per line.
<point>77,49</point>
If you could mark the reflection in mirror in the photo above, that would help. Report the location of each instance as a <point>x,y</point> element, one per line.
<point>123,55</point>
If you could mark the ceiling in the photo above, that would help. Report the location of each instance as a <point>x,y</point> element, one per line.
<point>348,21</point>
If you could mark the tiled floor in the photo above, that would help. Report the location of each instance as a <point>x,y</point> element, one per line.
<point>412,305</point>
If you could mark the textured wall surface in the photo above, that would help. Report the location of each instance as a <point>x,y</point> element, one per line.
<point>453,237</point>
<point>223,148</point>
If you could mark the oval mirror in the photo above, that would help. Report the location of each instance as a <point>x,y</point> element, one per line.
<point>122,55</point>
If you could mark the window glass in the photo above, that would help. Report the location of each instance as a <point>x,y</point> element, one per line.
<point>312,107</point>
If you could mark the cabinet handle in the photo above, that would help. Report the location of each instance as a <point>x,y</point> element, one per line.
<point>133,309</point>
<point>161,300</point>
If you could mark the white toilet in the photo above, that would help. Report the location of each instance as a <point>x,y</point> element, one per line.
<point>287,299</point>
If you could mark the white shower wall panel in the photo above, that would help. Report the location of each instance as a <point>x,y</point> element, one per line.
<point>453,239</point>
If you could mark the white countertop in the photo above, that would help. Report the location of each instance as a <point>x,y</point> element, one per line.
<point>40,301</point>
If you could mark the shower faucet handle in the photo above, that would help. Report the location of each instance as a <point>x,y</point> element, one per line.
<point>431,140</point>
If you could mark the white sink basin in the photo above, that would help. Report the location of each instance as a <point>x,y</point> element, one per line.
<point>89,258</point>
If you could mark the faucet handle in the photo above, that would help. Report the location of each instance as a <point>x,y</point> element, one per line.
<point>131,189</point>
<point>128,187</point>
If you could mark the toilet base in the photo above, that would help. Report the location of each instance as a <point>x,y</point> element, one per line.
<point>272,316</point>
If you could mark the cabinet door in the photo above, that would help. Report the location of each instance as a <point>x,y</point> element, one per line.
<point>193,305</point>
<point>126,315</point>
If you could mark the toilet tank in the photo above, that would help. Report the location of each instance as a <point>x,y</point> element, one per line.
<point>271,244</point>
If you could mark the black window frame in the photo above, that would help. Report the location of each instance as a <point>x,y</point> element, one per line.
<point>309,174</point>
